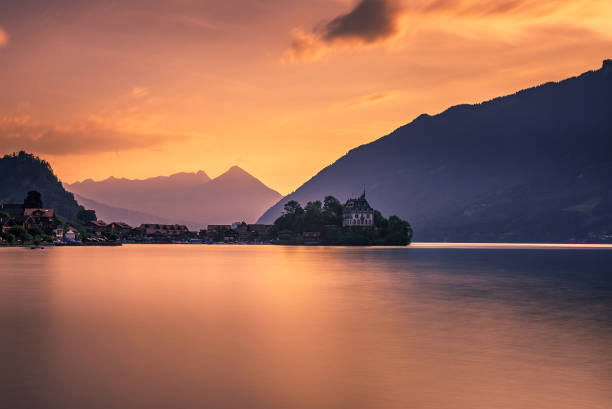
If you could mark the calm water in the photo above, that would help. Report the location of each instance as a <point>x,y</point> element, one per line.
<point>289,327</point>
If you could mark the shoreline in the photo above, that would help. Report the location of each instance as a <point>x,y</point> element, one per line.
<point>415,245</point>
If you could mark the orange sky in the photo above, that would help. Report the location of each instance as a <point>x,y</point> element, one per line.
<point>281,88</point>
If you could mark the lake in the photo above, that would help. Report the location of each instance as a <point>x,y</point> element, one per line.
<point>196,326</point>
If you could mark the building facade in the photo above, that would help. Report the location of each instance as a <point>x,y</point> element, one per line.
<point>358,212</point>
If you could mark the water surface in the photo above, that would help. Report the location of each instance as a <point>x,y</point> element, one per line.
<point>179,326</point>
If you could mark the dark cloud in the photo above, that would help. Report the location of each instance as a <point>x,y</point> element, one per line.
<point>17,133</point>
<point>369,21</point>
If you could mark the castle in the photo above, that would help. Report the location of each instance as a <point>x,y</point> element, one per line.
<point>358,212</point>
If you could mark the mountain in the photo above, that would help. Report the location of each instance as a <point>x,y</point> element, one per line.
<point>535,166</point>
<point>131,217</point>
<point>22,172</point>
<point>187,198</point>
<point>132,192</point>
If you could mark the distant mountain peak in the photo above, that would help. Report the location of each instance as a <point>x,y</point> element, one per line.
<point>235,172</point>
<point>186,197</point>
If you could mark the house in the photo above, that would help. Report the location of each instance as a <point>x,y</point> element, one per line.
<point>261,232</point>
<point>96,226</point>
<point>216,232</point>
<point>165,232</point>
<point>358,212</point>
<point>71,234</point>
<point>230,236</point>
<point>285,235</point>
<point>42,218</point>
<point>244,234</point>
<point>119,228</point>
<point>9,224</point>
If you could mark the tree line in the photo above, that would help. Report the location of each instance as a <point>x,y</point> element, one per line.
<point>326,219</point>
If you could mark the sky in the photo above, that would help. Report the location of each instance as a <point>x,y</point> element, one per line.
<point>281,88</point>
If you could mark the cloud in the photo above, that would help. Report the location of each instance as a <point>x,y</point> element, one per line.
<point>140,91</point>
<point>378,21</point>
<point>370,99</point>
<point>370,21</point>
<point>3,37</point>
<point>87,137</point>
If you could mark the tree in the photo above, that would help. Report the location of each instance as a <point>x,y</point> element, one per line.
<point>380,221</point>
<point>313,216</point>
<point>86,216</point>
<point>20,233</point>
<point>400,232</point>
<point>35,231</point>
<point>293,208</point>
<point>33,200</point>
<point>332,211</point>
<point>326,218</point>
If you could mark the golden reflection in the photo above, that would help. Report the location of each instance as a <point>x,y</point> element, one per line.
<point>162,326</point>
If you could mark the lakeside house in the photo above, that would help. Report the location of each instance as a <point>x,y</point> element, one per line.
<point>120,229</point>
<point>39,220</point>
<point>42,218</point>
<point>71,234</point>
<point>96,227</point>
<point>358,212</point>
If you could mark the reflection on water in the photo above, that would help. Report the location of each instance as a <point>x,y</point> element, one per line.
<point>292,327</point>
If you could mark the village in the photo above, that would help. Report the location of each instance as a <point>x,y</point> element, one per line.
<point>328,223</point>
<point>21,225</point>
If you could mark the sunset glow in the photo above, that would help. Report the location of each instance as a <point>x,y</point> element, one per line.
<point>281,89</point>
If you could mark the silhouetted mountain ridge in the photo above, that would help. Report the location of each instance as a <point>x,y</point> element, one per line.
<point>187,198</point>
<point>515,168</point>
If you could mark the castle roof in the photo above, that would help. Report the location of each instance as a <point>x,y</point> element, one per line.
<point>358,205</point>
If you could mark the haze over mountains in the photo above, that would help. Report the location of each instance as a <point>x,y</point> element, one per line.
<point>532,166</point>
<point>193,199</point>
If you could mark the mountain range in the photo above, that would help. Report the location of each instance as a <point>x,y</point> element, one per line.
<point>534,166</point>
<point>193,199</point>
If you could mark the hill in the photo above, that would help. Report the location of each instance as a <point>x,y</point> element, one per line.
<point>188,198</point>
<point>22,172</point>
<point>534,166</point>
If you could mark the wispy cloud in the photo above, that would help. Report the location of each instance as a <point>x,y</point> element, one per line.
<point>140,92</point>
<point>86,137</point>
<point>370,99</point>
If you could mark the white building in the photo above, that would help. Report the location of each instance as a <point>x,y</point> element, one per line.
<point>358,212</point>
<point>71,234</point>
